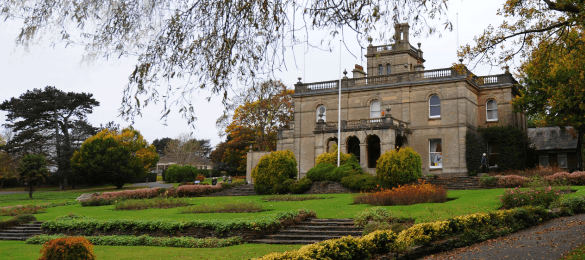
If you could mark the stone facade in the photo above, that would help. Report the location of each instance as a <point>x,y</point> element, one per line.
<point>392,108</point>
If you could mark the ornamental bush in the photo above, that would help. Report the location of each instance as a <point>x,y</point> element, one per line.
<point>301,186</point>
<point>542,196</point>
<point>331,157</point>
<point>320,172</point>
<point>395,168</point>
<point>273,169</point>
<point>185,173</point>
<point>408,194</point>
<point>361,182</point>
<point>351,167</point>
<point>68,248</point>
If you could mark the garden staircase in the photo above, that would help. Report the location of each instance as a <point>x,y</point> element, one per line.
<point>21,232</point>
<point>242,190</point>
<point>312,231</point>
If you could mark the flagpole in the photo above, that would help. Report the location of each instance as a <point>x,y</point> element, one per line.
<point>339,113</point>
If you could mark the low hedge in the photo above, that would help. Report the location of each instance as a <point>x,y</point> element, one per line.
<point>219,226</point>
<point>468,229</point>
<point>361,182</point>
<point>17,220</point>
<point>145,240</point>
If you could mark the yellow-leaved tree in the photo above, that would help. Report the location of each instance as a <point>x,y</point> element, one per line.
<point>114,157</point>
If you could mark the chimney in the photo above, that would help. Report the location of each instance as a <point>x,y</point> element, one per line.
<point>358,72</point>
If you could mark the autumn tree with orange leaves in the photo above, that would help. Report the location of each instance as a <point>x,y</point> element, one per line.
<point>258,113</point>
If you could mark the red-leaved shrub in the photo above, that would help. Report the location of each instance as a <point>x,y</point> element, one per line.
<point>68,248</point>
<point>511,181</point>
<point>558,177</point>
<point>200,178</point>
<point>577,178</point>
<point>196,190</point>
<point>108,198</point>
<point>408,194</point>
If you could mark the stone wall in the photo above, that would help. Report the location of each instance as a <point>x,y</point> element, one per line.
<point>456,183</point>
<point>253,159</point>
<point>327,187</point>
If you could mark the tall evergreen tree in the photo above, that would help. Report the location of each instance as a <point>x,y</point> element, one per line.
<point>49,121</point>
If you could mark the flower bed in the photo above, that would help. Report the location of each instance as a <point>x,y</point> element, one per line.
<point>404,195</point>
<point>543,196</point>
<point>236,207</point>
<point>108,198</point>
<point>462,231</point>
<point>31,209</point>
<point>145,240</point>
<point>156,203</point>
<point>197,190</point>
<point>248,228</point>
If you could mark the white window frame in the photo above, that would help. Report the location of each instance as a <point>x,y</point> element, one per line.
<point>493,110</point>
<point>437,116</point>
<point>324,114</point>
<point>562,155</point>
<point>380,69</point>
<point>431,166</point>
<point>378,112</point>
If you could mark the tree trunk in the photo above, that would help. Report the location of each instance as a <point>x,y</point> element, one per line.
<point>119,185</point>
<point>30,190</point>
<point>1,184</point>
<point>580,133</point>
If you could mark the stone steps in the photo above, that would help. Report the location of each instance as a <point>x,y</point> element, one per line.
<point>312,231</point>
<point>242,190</point>
<point>21,232</point>
<point>456,183</point>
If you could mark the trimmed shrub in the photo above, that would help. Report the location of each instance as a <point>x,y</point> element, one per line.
<point>15,221</point>
<point>301,186</point>
<point>375,214</point>
<point>320,172</point>
<point>146,240</point>
<point>107,198</point>
<point>331,157</point>
<point>511,181</point>
<point>543,196</point>
<point>235,207</point>
<point>361,182</point>
<point>395,168</point>
<point>273,169</point>
<point>156,203</point>
<point>19,210</point>
<point>351,167</point>
<point>68,248</point>
<point>488,181</point>
<point>405,195</point>
<point>289,197</point>
<point>577,178</point>
<point>558,178</point>
<point>197,190</point>
<point>185,173</point>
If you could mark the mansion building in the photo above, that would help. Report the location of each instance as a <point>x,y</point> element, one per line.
<point>396,102</point>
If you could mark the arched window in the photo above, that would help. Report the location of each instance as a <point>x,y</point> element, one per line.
<point>491,109</point>
<point>321,110</point>
<point>380,69</point>
<point>434,106</point>
<point>388,69</point>
<point>375,109</point>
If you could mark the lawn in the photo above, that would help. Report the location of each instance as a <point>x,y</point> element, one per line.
<point>20,250</point>
<point>335,206</point>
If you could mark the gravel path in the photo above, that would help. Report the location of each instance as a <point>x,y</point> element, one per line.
<point>550,240</point>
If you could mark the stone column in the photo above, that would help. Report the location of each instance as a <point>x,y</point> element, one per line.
<point>363,155</point>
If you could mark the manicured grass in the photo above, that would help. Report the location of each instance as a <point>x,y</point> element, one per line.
<point>335,206</point>
<point>41,197</point>
<point>20,250</point>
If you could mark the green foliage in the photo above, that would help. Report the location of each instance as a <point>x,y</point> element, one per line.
<point>488,181</point>
<point>114,157</point>
<point>220,227</point>
<point>512,145</point>
<point>67,248</point>
<point>377,214</point>
<point>235,207</point>
<point>474,148</point>
<point>320,172</point>
<point>361,182</point>
<point>272,170</point>
<point>541,196</point>
<point>331,157</point>
<point>395,168</point>
<point>351,167</point>
<point>32,170</point>
<point>17,220</point>
<point>301,186</point>
<point>185,173</point>
<point>146,240</point>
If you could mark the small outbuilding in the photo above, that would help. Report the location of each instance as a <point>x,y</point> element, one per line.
<point>555,146</point>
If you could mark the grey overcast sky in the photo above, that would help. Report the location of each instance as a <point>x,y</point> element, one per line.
<point>105,79</point>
